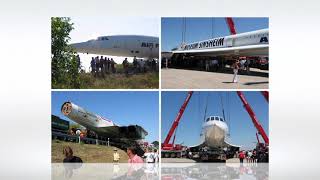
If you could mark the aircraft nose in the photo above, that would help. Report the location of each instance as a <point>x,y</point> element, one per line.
<point>66,108</point>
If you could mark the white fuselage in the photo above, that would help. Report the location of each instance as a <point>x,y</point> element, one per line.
<point>121,45</point>
<point>214,132</point>
<point>254,43</point>
<point>83,117</point>
<point>243,39</point>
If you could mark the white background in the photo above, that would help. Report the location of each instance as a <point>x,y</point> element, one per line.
<point>25,76</point>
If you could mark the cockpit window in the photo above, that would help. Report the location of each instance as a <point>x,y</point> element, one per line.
<point>103,38</point>
<point>208,119</point>
<point>212,118</point>
<point>216,118</point>
<point>221,119</point>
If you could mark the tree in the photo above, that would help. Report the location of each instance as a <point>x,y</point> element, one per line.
<point>64,66</point>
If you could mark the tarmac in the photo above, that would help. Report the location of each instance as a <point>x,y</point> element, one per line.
<point>193,79</point>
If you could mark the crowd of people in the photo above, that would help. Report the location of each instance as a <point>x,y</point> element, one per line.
<point>148,157</point>
<point>250,156</point>
<point>102,66</point>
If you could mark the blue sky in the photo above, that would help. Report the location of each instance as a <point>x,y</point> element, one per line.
<point>242,130</point>
<point>198,29</point>
<point>123,108</point>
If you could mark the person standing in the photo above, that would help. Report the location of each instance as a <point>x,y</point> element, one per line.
<point>102,66</point>
<point>125,65</point>
<point>215,64</point>
<point>113,69</point>
<point>135,63</point>
<point>156,155</point>
<point>133,157</point>
<point>235,67</point>
<point>207,65</point>
<point>97,63</point>
<point>154,65</point>
<point>247,65</point>
<point>116,155</point>
<point>149,156</point>
<point>93,66</point>
<point>249,156</point>
<point>108,65</point>
<point>241,156</point>
<point>105,65</point>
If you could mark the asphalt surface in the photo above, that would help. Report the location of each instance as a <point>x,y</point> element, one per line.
<point>193,79</point>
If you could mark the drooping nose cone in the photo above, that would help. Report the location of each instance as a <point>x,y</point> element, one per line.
<point>215,136</point>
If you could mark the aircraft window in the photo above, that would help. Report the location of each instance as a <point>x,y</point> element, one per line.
<point>221,119</point>
<point>137,52</point>
<point>208,119</point>
<point>212,118</point>
<point>143,45</point>
<point>216,118</point>
<point>131,51</point>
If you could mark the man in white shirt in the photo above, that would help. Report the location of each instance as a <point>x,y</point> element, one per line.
<point>149,156</point>
<point>156,156</point>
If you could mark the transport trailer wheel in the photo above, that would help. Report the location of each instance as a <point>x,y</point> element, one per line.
<point>178,155</point>
<point>166,155</point>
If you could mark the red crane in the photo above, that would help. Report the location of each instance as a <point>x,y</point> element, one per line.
<point>166,145</point>
<point>265,95</point>
<point>231,26</point>
<point>253,117</point>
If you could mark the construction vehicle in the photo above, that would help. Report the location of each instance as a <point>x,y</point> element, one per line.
<point>170,149</point>
<point>262,149</point>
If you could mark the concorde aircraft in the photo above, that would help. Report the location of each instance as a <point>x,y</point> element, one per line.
<point>127,135</point>
<point>215,134</point>
<point>146,47</point>
<point>254,43</point>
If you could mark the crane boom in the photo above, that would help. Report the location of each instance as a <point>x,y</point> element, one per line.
<point>265,95</point>
<point>253,117</point>
<point>176,121</point>
<point>231,26</point>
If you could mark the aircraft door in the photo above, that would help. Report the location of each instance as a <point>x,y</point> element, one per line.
<point>229,42</point>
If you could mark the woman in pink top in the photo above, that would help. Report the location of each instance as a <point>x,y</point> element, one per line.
<point>133,157</point>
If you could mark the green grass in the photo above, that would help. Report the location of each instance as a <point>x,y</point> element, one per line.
<point>148,80</point>
<point>89,153</point>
